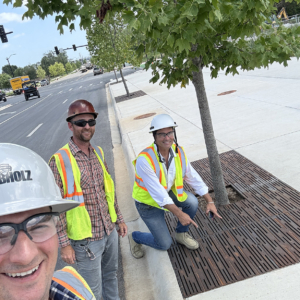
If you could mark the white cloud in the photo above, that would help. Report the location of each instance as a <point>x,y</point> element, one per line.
<point>11,17</point>
<point>4,46</point>
<point>18,35</point>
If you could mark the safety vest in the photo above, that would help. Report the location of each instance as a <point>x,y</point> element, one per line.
<point>69,278</point>
<point>140,191</point>
<point>79,224</point>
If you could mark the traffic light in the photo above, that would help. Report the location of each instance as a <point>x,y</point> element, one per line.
<point>74,47</point>
<point>3,34</point>
<point>56,50</point>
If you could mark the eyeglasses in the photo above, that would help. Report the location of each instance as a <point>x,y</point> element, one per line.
<point>39,228</point>
<point>163,135</point>
<point>82,123</point>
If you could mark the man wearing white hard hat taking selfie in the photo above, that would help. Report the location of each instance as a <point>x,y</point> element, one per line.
<point>160,171</point>
<point>30,203</point>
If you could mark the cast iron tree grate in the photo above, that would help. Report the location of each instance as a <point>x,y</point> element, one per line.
<point>258,234</point>
<point>131,96</point>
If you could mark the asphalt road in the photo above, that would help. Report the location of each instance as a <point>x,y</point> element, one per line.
<point>40,123</point>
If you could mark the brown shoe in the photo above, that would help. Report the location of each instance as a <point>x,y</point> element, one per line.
<point>135,248</point>
<point>185,239</point>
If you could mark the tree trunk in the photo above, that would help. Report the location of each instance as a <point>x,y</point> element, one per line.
<point>210,141</point>
<point>126,88</point>
<point>116,75</point>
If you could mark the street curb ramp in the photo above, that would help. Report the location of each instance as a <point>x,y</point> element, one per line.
<point>159,265</point>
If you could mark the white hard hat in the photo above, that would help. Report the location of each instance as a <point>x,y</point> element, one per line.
<point>162,121</point>
<point>27,182</point>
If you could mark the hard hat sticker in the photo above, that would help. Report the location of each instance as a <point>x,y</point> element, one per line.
<point>5,168</point>
<point>7,176</point>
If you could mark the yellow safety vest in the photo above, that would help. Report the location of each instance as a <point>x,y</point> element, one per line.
<point>140,191</point>
<point>78,220</point>
<point>69,278</point>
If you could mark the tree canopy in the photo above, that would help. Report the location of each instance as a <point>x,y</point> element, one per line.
<point>4,81</point>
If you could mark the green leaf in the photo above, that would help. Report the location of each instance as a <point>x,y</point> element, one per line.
<point>170,40</point>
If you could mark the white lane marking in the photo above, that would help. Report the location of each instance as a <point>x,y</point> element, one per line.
<point>34,130</point>
<point>5,106</point>
<point>12,112</point>
<point>70,89</point>
<point>101,81</point>
<point>91,84</point>
<point>60,92</point>
<point>65,101</point>
<point>80,87</point>
<point>25,109</point>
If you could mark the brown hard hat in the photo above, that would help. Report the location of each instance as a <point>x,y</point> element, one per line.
<point>80,107</point>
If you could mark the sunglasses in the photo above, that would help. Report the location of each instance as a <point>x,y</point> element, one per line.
<point>82,123</point>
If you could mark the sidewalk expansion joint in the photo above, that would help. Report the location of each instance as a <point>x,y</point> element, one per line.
<point>258,234</point>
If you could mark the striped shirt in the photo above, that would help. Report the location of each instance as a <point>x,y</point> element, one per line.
<point>92,186</point>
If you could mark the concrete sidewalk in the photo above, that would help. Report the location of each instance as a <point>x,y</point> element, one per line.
<point>261,121</point>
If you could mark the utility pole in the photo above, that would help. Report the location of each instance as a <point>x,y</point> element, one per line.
<point>10,65</point>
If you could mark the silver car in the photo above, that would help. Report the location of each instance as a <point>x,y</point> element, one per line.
<point>44,82</point>
<point>97,71</point>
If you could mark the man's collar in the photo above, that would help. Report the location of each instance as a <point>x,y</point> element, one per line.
<point>74,148</point>
<point>171,149</point>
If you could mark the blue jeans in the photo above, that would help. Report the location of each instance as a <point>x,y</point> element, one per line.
<point>154,218</point>
<point>97,263</point>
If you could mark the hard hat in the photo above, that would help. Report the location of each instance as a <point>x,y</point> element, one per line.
<point>27,182</point>
<point>162,121</point>
<point>80,107</point>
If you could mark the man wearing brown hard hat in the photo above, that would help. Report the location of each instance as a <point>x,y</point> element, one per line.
<point>87,234</point>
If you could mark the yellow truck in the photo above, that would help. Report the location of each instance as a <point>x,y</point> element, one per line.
<point>16,83</point>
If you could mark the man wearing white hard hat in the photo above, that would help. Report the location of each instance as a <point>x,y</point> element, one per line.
<point>160,170</point>
<point>30,203</point>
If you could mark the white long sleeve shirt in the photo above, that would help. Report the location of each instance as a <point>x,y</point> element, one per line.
<point>156,190</point>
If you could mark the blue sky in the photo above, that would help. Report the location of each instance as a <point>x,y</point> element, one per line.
<point>32,38</point>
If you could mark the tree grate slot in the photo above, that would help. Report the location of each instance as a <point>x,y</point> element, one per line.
<point>257,234</point>
<point>131,96</point>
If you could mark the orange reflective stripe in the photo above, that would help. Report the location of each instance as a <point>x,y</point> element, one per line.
<point>74,194</point>
<point>68,152</point>
<point>81,204</point>
<point>64,172</point>
<point>74,274</point>
<point>148,155</point>
<point>180,195</point>
<point>165,187</point>
<point>141,187</point>
<point>64,284</point>
<point>139,178</point>
<point>179,187</point>
<point>160,176</point>
<point>180,158</point>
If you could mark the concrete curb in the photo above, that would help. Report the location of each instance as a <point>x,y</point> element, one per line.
<point>159,265</point>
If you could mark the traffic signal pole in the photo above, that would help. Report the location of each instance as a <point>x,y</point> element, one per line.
<point>74,47</point>
<point>3,34</point>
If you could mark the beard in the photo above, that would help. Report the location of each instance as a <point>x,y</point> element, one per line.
<point>86,138</point>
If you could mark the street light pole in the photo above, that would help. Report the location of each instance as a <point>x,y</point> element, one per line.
<point>10,65</point>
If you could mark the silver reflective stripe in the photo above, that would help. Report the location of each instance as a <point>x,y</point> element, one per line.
<point>154,159</point>
<point>99,153</point>
<point>140,182</point>
<point>70,177</point>
<point>76,198</point>
<point>180,191</point>
<point>183,162</point>
<point>75,283</point>
<point>69,171</point>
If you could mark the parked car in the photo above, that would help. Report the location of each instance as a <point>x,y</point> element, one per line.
<point>97,70</point>
<point>30,89</point>
<point>44,82</point>
<point>2,96</point>
<point>83,69</point>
